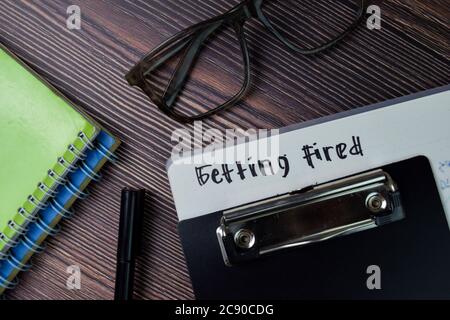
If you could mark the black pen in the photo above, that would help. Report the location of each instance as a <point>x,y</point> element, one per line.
<point>128,247</point>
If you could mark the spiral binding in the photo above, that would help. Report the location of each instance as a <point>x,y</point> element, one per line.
<point>89,172</point>
<point>84,139</point>
<point>47,229</point>
<point>38,204</point>
<point>48,193</point>
<point>56,177</point>
<point>60,210</point>
<point>28,216</point>
<point>34,247</point>
<point>3,256</point>
<point>19,229</point>
<point>53,204</point>
<point>17,264</point>
<point>106,153</point>
<point>78,154</point>
<point>69,167</point>
<point>5,283</point>
<point>77,193</point>
<point>7,241</point>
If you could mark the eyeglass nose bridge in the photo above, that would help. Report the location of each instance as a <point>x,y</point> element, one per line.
<point>257,7</point>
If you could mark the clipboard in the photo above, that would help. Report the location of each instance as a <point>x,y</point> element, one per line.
<point>239,244</point>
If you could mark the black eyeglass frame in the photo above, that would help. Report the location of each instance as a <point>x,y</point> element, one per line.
<point>191,40</point>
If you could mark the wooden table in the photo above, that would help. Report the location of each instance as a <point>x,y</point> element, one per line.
<point>409,54</point>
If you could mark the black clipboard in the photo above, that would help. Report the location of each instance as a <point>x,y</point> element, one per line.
<point>413,255</point>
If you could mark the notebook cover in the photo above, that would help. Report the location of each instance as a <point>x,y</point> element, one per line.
<point>49,218</point>
<point>37,125</point>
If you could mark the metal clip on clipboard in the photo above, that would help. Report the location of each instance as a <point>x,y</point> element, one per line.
<point>300,218</point>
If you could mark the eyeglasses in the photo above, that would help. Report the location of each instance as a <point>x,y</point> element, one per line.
<point>304,26</point>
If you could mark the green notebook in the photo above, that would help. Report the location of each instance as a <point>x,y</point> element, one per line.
<point>42,135</point>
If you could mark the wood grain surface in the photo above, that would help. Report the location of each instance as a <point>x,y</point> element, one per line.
<point>409,54</point>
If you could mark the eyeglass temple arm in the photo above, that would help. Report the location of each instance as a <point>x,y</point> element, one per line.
<point>167,50</point>
<point>186,62</point>
<point>165,55</point>
<point>246,85</point>
<point>158,56</point>
<point>206,29</point>
<point>329,44</point>
<point>333,42</point>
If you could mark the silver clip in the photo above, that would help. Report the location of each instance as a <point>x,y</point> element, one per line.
<point>309,216</point>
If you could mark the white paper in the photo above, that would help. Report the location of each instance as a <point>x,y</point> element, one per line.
<point>387,135</point>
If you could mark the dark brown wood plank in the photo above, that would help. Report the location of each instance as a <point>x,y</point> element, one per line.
<point>409,54</point>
